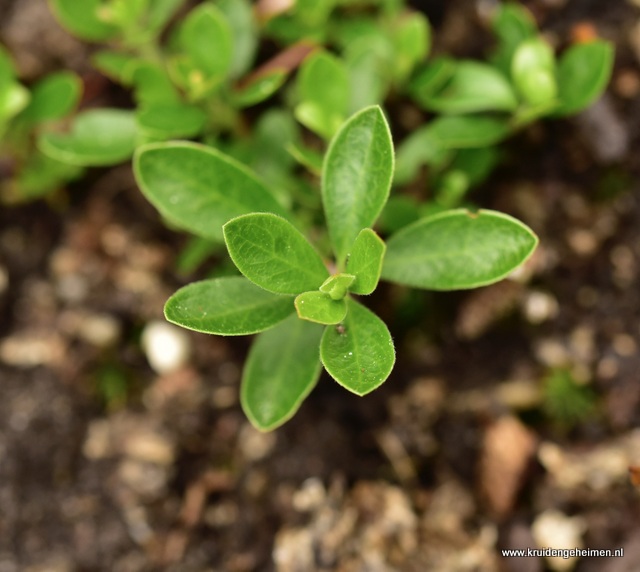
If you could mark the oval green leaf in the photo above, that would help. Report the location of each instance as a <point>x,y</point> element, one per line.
<point>473,87</point>
<point>323,88</point>
<point>159,12</point>
<point>98,137</point>
<point>583,73</point>
<point>356,177</point>
<point>320,308</point>
<point>281,370</point>
<point>230,306</point>
<point>239,14</point>
<point>205,35</point>
<point>171,120</point>
<point>53,97</point>
<point>359,353</point>
<point>457,249</point>
<point>199,188</point>
<point>82,19</point>
<point>467,131</point>
<point>260,88</point>
<point>273,254</point>
<point>365,261</point>
<point>14,97</point>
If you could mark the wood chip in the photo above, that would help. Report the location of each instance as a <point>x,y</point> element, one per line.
<point>507,451</point>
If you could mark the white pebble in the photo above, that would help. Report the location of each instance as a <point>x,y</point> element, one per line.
<point>167,346</point>
<point>553,529</point>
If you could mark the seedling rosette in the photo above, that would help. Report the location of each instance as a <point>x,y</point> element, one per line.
<point>304,316</point>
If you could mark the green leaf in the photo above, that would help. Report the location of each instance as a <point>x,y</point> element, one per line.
<point>323,87</point>
<point>583,73</point>
<point>97,138</point>
<point>206,37</point>
<point>230,306</point>
<point>365,261</point>
<point>320,307</point>
<point>40,175</point>
<point>116,65</point>
<point>356,178</point>
<point>171,121</point>
<point>412,41</point>
<point>513,24</point>
<point>159,12</point>
<point>14,97</point>
<point>194,253</point>
<point>281,370</point>
<point>457,249</point>
<point>198,188</point>
<point>368,83</point>
<point>462,132</point>
<point>309,158</point>
<point>7,67</point>
<point>124,14</point>
<point>430,79</point>
<point>419,148</point>
<point>271,253</point>
<point>260,88</point>
<point>473,87</point>
<point>337,286</point>
<point>239,15</point>
<point>82,18</point>
<point>533,71</point>
<point>400,211</point>
<point>476,163</point>
<point>152,85</point>
<point>53,97</point>
<point>358,354</point>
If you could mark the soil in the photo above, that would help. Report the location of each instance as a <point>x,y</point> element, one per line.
<point>465,451</point>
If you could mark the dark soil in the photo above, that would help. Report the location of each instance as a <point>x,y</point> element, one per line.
<point>109,466</point>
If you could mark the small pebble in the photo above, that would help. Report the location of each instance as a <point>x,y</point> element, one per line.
<point>310,496</point>
<point>553,529</point>
<point>167,347</point>
<point>583,242</point>
<point>150,447</point>
<point>540,307</point>
<point>255,445</point>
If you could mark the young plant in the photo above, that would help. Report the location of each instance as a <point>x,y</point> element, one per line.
<point>24,115</point>
<point>482,103</point>
<point>304,307</point>
<point>192,85</point>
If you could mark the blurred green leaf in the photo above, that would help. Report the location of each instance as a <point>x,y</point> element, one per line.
<point>323,88</point>
<point>583,73</point>
<point>82,18</point>
<point>239,15</point>
<point>533,71</point>
<point>206,36</point>
<point>171,121</point>
<point>468,131</point>
<point>98,137</point>
<point>473,87</point>
<point>53,97</point>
